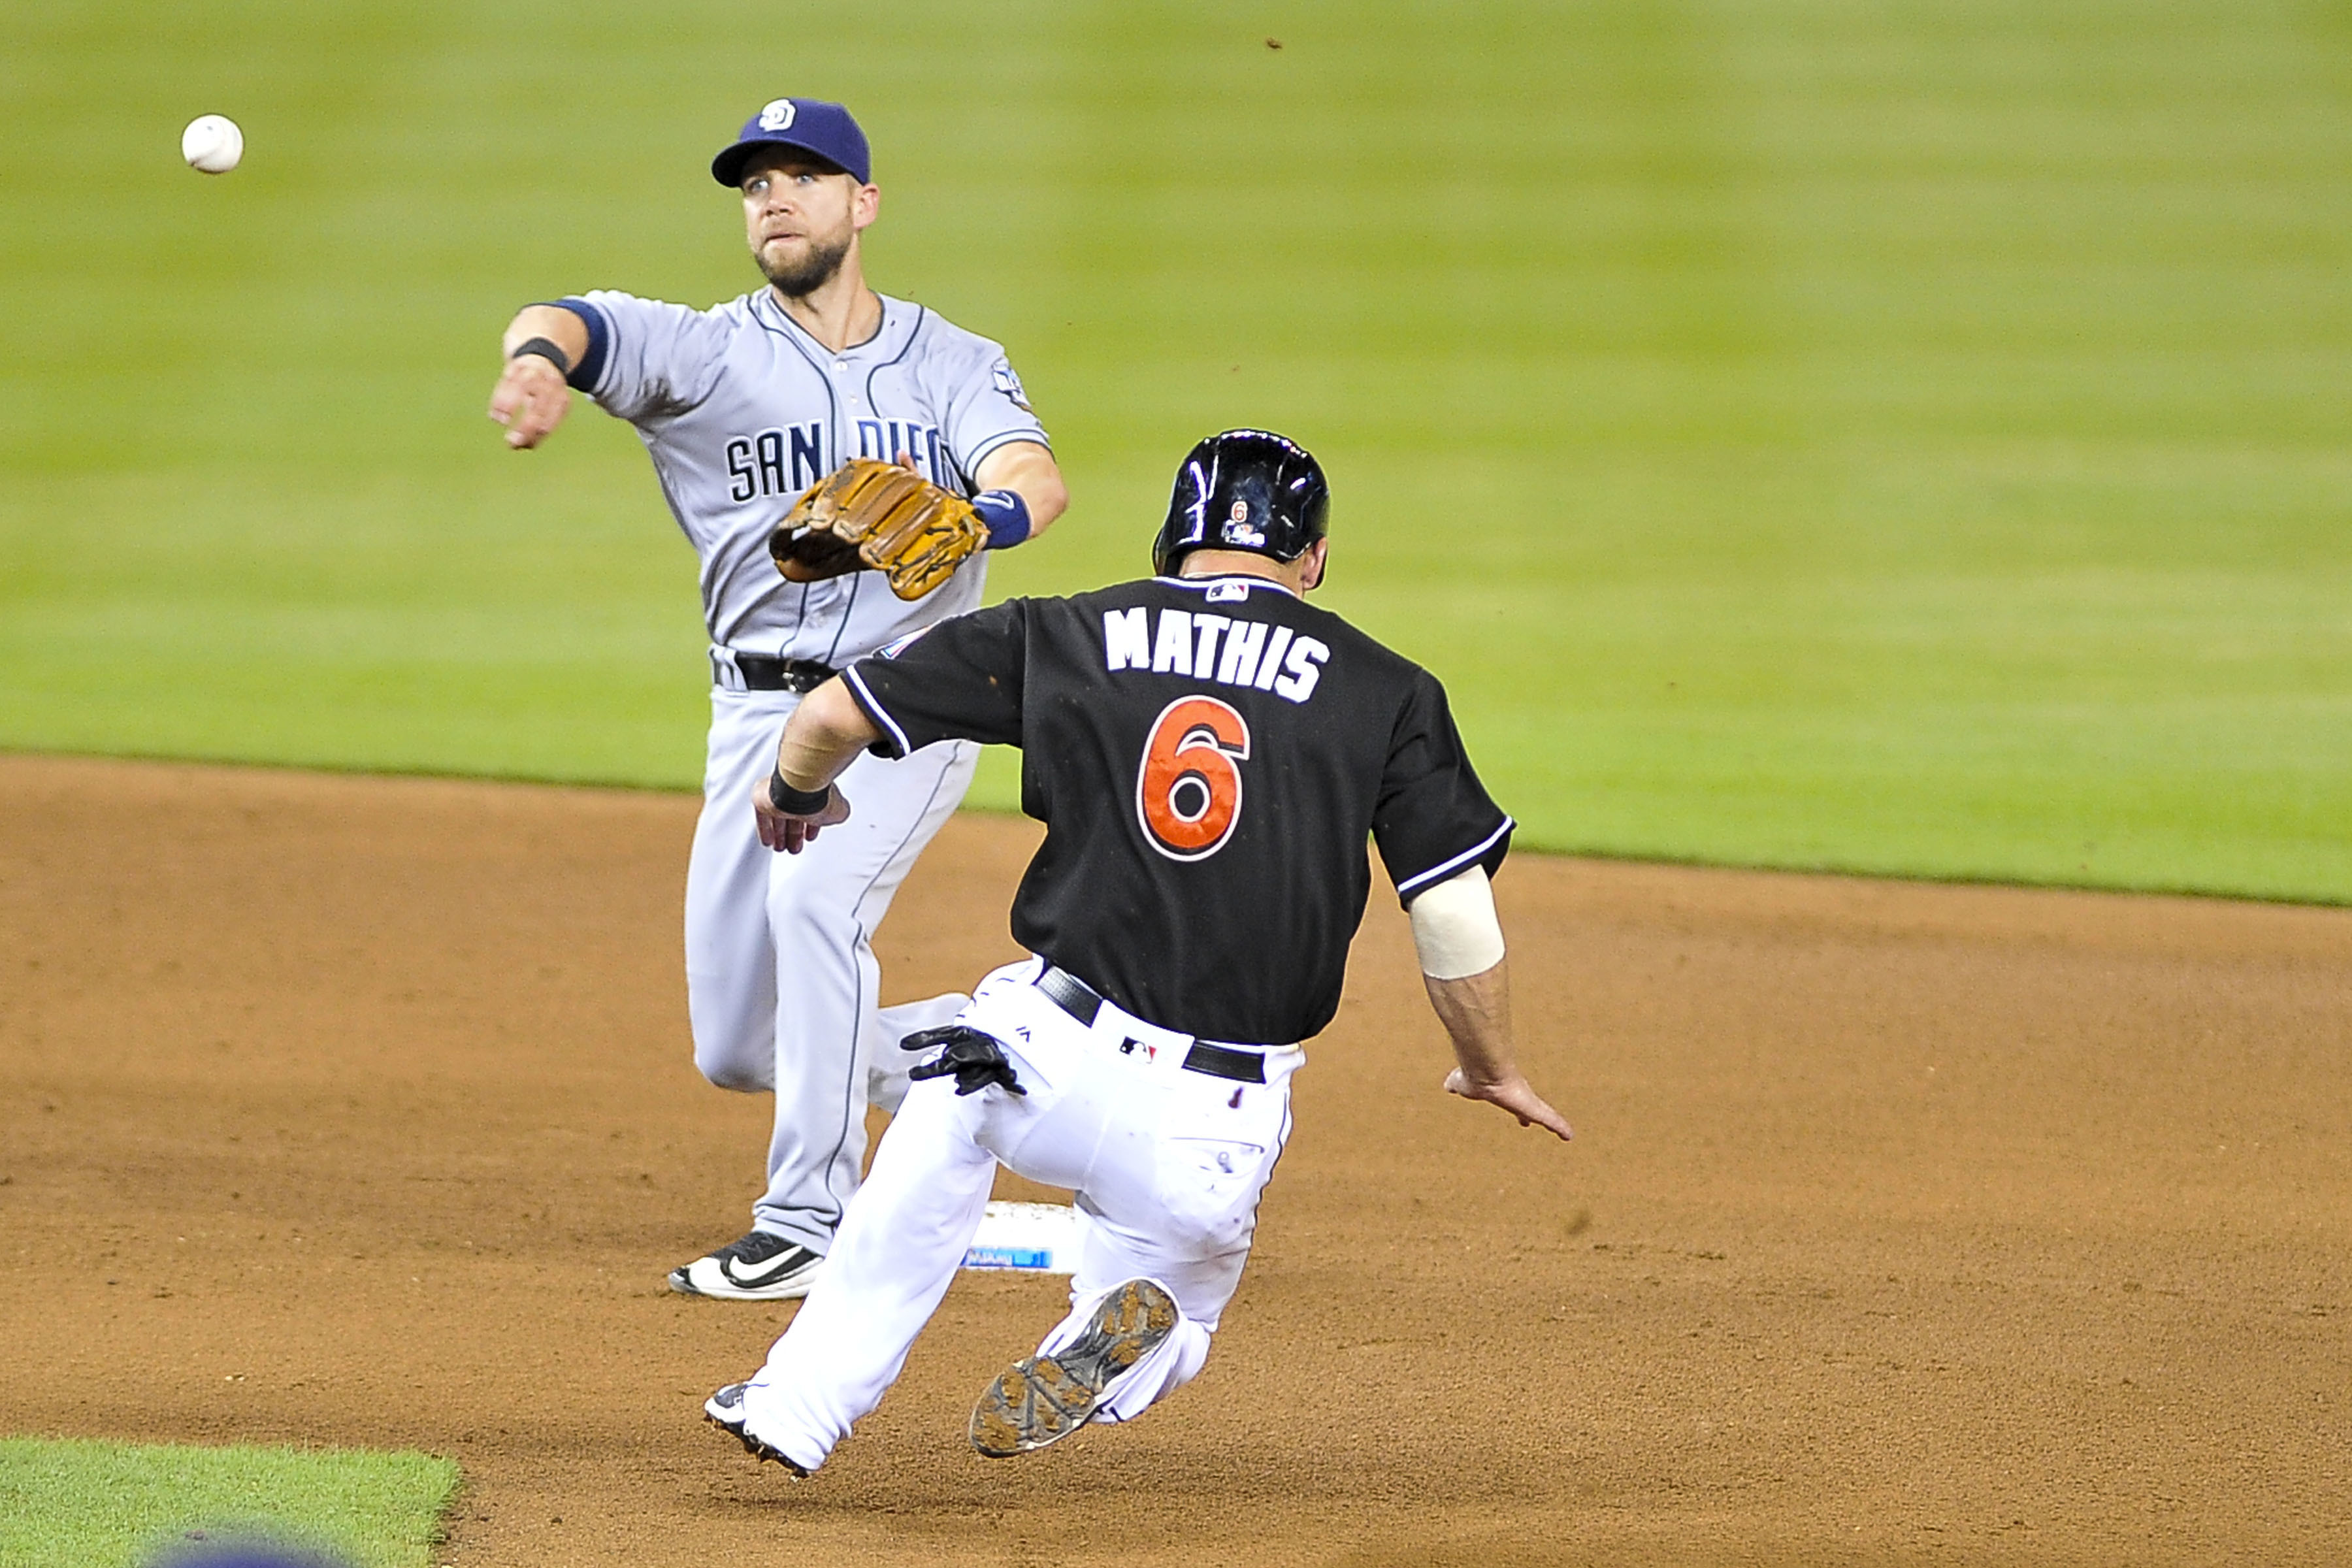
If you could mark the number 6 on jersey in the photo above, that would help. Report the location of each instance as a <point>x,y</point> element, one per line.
<point>1188,791</point>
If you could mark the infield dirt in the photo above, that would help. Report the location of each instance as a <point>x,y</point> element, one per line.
<point>1903,1222</point>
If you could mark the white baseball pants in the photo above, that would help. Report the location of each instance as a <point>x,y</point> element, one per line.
<point>1167,1165</point>
<point>781,985</point>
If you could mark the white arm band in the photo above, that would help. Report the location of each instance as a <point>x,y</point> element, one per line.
<point>1454,928</point>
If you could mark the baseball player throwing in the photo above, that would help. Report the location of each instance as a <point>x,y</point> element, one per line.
<point>745,406</point>
<point>1209,754</point>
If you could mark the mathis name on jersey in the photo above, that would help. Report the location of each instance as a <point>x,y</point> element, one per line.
<point>1207,647</point>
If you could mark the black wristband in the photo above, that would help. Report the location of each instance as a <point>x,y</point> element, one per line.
<point>545,348</point>
<point>795,802</point>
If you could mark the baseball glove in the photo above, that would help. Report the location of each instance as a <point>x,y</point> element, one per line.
<point>868,513</point>
<point>973,1058</point>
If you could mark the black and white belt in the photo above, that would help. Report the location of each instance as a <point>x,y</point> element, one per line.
<point>1083,1002</point>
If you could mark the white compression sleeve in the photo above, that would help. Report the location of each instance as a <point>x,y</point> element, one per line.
<point>1454,928</point>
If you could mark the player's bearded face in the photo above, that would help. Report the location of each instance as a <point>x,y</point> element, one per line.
<point>802,266</point>
<point>802,225</point>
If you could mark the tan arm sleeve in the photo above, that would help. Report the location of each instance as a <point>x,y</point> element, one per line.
<point>1455,928</point>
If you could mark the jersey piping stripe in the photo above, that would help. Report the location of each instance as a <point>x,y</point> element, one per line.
<point>832,399</point>
<point>849,1084</point>
<point>764,298</point>
<point>833,649</point>
<point>1035,437</point>
<point>874,711</point>
<point>707,574</point>
<point>922,312</point>
<point>1439,871</point>
<point>965,467</point>
<point>864,944</point>
<point>956,750</point>
<point>835,426</point>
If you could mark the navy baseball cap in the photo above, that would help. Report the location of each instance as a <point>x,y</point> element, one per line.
<point>810,124</point>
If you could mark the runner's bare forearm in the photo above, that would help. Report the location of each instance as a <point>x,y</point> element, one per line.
<point>1476,1012</point>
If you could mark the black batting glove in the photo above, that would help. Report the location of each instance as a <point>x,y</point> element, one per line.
<point>975,1059</point>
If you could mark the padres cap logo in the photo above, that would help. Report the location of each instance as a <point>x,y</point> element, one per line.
<point>778,116</point>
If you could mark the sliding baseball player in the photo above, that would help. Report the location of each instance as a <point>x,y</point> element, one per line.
<point>1209,754</point>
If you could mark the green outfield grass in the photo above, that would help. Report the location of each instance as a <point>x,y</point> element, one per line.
<point>82,1504</point>
<point>1904,437</point>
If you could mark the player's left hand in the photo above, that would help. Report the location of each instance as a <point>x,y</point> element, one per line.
<point>786,832</point>
<point>1516,1095</point>
<point>886,517</point>
<point>974,1059</point>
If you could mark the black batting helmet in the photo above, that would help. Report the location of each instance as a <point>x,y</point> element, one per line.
<point>1244,489</point>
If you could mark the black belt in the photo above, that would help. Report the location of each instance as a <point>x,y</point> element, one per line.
<point>766,672</point>
<point>1083,1002</point>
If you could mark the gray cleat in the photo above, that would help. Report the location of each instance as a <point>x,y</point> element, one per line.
<point>1044,1398</point>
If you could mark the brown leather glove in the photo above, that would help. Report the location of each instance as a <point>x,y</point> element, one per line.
<point>871,514</point>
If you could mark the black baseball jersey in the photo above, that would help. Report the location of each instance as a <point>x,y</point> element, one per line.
<point>1208,755</point>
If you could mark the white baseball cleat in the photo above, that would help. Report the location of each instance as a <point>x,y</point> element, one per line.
<point>724,1410</point>
<point>756,1267</point>
<point>1042,1399</point>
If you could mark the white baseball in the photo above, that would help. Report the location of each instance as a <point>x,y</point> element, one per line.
<point>213,144</point>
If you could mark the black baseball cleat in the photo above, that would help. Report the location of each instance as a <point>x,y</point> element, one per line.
<point>724,1410</point>
<point>755,1267</point>
<point>1044,1398</point>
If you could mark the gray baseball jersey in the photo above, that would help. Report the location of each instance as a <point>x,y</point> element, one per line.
<point>742,409</point>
